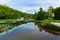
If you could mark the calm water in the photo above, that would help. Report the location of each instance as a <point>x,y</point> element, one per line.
<point>30,31</point>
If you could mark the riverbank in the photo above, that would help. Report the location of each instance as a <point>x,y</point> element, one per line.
<point>51,24</point>
<point>9,20</point>
<point>16,20</point>
<point>56,23</point>
<point>6,25</point>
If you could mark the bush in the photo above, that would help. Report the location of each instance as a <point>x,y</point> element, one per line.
<point>47,21</point>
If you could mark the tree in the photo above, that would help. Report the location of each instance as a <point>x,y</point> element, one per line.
<point>51,11</point>
<point>57,14</point>
<point>10,13</point>
<point>41,15</point>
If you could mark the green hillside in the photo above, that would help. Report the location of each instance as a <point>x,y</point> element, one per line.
<point>10,13</point>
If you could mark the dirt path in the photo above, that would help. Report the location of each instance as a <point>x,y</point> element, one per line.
<point>56,23</point>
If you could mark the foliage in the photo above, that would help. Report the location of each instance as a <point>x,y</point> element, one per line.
<point>51,11</point>
<point>47,21</point>
<point>57,21</point>
<point>8,26</point>
<point>53,27</point>
<point>57,14</point>
<point>41,15</point>
<point>47,24</point>
<point>9,13</point>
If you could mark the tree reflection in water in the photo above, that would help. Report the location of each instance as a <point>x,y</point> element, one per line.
<point>47,30</point>
<point>4,27</point>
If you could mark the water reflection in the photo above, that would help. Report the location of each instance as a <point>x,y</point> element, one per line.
<point>7,26</point>
<point>47,30</point>
<point>29,31</point>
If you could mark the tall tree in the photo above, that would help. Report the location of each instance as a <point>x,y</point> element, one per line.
<point>41,15</point>
<point>51,11</point>
<point>57,14</point>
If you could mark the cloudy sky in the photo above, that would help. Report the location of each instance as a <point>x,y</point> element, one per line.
<point>30,6</point>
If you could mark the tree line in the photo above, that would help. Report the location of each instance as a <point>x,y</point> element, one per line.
<point>53,13</point>
<point>10,13</point>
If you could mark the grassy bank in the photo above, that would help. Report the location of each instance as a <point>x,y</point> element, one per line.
<point>6,25</point>
<point>9,20</point>
<point>47,24</point>
<point>53,27</point>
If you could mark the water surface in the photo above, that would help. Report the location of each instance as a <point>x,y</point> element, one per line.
<point>30,31</point>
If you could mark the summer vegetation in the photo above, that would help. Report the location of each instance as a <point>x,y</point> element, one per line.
<point>10,15</point>
<point>10,18</point>
<point>46,17</point>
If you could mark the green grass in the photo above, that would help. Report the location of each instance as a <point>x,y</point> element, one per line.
<point>52,27</point>
<point>9,20</point>
<point>57,21</point>
<point>47,24</point>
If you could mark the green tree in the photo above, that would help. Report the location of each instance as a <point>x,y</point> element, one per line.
<point>57,14</point>
<point>51,11</point>
<point>41,15</point>
<point>10,13</point>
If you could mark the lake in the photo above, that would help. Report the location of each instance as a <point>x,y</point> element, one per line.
<point>30,31</point>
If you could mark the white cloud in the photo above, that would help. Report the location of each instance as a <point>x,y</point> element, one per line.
<point>30,5</point>
<point>4,1</point>
<point>29,9</point>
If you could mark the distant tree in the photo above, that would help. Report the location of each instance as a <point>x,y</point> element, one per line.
<point>9,13</point>
<point>51,11</point>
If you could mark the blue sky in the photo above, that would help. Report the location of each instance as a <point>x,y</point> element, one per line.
<point>30,6</point>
